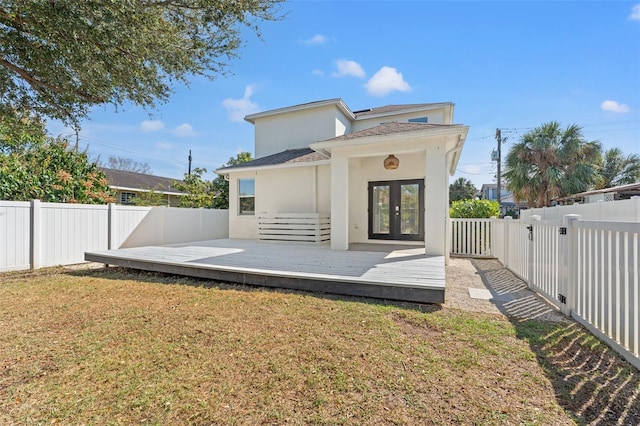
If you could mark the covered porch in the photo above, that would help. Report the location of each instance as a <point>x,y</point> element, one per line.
<point>379,271</point>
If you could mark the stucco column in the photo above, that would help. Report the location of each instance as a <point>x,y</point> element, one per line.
<point>339,202</point>
<point>436,202</point>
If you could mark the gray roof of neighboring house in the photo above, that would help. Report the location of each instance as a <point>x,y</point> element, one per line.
<point>141,181</point>
<point>290,156</point>
<point>628,190</point>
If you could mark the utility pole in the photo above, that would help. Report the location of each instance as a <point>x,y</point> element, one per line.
<point>189,162</point>
<point>499,139</point>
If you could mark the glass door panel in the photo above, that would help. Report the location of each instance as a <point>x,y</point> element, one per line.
<point>380,223</point>
<point>409,209</point>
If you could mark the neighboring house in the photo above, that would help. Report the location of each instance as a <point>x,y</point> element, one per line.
<point>489,191</point>
<point>622,192</point>
<point>129,185</point>
<point>381,174</point>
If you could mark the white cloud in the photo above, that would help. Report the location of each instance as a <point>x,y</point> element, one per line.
<point>319,73</point>
<point>349,68</point>
<point>385,81</point>
<point>184,130</point>
<point>613,106</point>
<point>149,126</point>
<point>239,108</point>
<point>316,39</point>
<point>635,13</point>
<point>163,145</point>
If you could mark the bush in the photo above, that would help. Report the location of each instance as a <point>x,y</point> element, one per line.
<point>474,209</point>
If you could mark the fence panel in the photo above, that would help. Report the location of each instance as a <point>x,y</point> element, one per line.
<point>471,237</point>
<point>15,235</point>
<point>546,271</point>
<point>518,248</point>
<point>607,293</point>
<point>35,234</point>
<point>68,230</point>
<point>498,228</point>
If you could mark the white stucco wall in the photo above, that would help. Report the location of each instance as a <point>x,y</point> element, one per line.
<point>286,190</point>
<point>298,129</point>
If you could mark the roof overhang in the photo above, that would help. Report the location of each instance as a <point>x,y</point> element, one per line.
<point>429,107</point>
<point>157,191</point>
<point>222,172</point>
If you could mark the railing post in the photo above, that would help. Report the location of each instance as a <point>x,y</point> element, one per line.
<point>534,219</point>
<point>36,235</point>
<point>570,262</point>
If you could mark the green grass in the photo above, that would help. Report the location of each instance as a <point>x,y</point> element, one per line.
<point>118,347</point>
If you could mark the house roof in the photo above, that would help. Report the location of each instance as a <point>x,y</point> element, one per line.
<point>339,103</point>
<point>627,191</point>
<point>389,129</point>
<point>395,108</point>
<point>290,156</point>
<point>121,179</point>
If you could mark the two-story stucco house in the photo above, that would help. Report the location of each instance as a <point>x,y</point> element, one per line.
<point>380,174</point>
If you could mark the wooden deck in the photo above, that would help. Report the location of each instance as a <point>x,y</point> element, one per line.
<point>393,272</point>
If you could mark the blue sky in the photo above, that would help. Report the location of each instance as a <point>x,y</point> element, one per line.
<point>507,64</point>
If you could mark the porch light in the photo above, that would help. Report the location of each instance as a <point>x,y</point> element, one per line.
<point>391,162</point>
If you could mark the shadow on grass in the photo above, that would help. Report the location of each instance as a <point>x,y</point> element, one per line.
<point>592,382</point>
<point>122,273</point>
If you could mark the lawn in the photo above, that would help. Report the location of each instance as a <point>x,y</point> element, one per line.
<point>116,346</point>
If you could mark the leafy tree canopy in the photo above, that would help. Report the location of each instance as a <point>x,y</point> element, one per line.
<point>199,192</point>
<point>474,209</point>
<point>59,58</point>
<point>617,169</point>
<point>221,185</point>
<point>462,189</point>
<point>128,165</point>
<point>35,166</point>
<point>551,162</point>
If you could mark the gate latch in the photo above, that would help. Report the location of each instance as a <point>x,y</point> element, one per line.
<point>530,228</point>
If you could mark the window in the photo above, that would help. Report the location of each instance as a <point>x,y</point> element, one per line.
<point>246,196</point>
<point>419,120</point>
<point>127,197</point>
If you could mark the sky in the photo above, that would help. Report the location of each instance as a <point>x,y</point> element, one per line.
<point>512,65</point>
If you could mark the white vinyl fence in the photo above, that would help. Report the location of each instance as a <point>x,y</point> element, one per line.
<point>35,235</point>
<point>590,269</point>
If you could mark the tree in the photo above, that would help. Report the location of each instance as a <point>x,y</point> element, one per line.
<point>550,162</point>
<point>59,58</point>
<point>221,185</point>
<point>36,166</point>
<point>474,209</point>
<point>616,169</point>
<point>128,165</point>
<point>199,192</point>
<point>462,189</point>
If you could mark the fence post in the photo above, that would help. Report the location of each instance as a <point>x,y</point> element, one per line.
<point>505,235</point>
<point>570,263</point>
<point>111,227</point>
<point>534,218</point>
<point>35,243</point>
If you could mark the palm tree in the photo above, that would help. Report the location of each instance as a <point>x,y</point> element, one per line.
<point>550,162</point>
<point>616,169</point>
<point>462,189</point>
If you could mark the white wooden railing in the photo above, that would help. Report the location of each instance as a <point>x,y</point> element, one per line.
<point>589,269</point>
<point>471,237</point>
<point>298,227</point>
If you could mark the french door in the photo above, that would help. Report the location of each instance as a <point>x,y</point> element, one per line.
<point>396,210</point>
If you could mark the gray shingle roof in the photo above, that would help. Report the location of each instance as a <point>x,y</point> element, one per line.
<point>393,108</point>
<point>302,155</point>
<point>388,129</point>
<point>121,178</point>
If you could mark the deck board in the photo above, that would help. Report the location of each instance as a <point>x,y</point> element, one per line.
<point>391,274</point>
